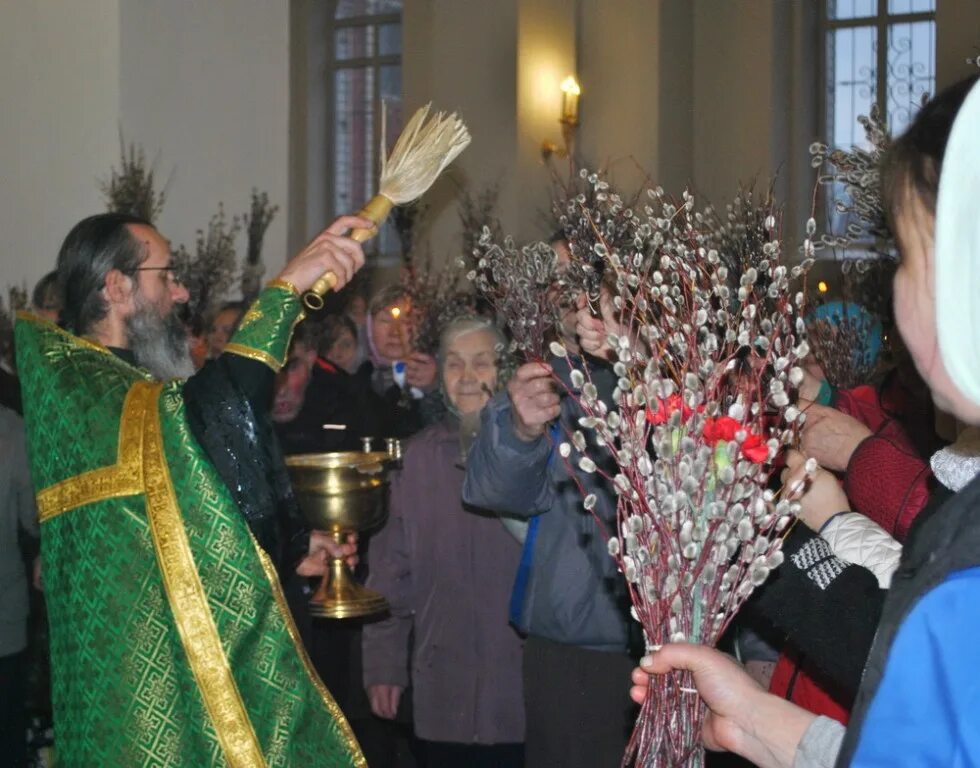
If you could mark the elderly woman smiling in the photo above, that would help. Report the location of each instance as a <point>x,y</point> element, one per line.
<point>447,573</point>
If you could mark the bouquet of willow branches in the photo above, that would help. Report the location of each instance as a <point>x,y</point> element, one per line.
<point>849,335</point>
<point>841,344</point>
<point>435,299</point>
<point>527,289</point>
<point>593,218</point>
<point>476,212</point>
<point>841,340</point>
<point>131,189</point>
<point>857,170</point>
<point>704,403</point>
<point>739,233</point>
<point>210,271</point>
<point>257,221</point>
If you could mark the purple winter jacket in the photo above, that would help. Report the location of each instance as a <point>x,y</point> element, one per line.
<point>447,572</point>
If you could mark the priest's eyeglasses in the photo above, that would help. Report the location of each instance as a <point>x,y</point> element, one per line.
<point>170,269</point>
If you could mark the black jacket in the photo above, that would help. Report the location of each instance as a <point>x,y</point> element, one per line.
<point>828,609</point>
<point>394,412</point>
<point>332,397</point>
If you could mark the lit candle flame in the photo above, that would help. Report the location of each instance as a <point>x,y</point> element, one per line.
<point>570,85</point>
<point>396,313</point>
<point>569,101</point>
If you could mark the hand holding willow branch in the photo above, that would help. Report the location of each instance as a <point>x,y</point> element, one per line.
<point>817,490</point>
<point>594,332</point>
<point>534,400</point>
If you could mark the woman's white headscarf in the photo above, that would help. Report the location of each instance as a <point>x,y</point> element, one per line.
<point>957,262</point>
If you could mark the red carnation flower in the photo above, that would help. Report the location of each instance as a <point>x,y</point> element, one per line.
<point>665,408</point>
<point>724,428</point>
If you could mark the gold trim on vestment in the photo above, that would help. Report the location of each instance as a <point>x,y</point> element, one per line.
<point>253,315</point>
<point>280,283</point>
<point>328,700</point>
<point>254,354</point>
<point>30,317</point>
<point>188,601</point>
<point>124,478</point>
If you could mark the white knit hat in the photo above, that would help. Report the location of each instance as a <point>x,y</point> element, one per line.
<point>957,262</point>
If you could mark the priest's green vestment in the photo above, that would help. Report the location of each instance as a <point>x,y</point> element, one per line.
<point>171,642</point>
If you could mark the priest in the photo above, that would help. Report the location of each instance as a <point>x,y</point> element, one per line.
<point>166,515</point>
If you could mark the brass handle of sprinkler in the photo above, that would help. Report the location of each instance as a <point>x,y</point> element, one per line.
<point>377,209</point>
<point>313,298</point>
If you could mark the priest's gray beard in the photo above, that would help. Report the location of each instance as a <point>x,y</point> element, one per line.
<point>159,342</point>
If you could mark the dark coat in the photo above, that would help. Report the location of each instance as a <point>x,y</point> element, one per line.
<point>447,573</point>
<point>393,411</point>
<point>333,396</point>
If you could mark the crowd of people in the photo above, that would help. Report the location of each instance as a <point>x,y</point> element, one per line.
<point>509,640</point>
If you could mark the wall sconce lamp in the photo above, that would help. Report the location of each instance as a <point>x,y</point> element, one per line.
<point>570,91</point>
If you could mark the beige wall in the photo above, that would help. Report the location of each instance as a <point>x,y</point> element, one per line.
<point>957,37</point>
<point>546,55</point>
<point>462,56</point>
<point>59,91</point>
<point>658,97</point>
<point>706,93</point>
<point>732,94</point>
<point>619,66</point>
<point>499,64</point>
<point>675,71</point>
<point>206,85</point>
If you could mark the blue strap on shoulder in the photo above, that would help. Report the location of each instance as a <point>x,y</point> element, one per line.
<point>826,394</point>
<point>519,592</point>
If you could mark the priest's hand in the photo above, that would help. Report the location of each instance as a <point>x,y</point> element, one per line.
<point>384,700</point>
<point>323,547</point>
<point>330,251</point>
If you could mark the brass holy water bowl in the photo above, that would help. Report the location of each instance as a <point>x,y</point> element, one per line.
<point>342,493</point>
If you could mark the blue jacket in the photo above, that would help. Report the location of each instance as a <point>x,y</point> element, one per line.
<point>570,590</point>
<point>920,697</point>
<point>927,709</point>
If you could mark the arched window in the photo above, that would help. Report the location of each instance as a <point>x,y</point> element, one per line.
<point>877,52</point>
<point>365,50</point>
